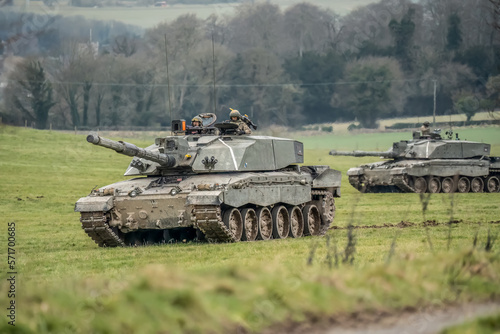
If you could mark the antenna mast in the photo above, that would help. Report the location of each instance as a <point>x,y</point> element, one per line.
<point>168,83</point>
<point>213,65</point>
<point>434,111</point>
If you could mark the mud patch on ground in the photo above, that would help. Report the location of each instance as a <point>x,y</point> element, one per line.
<point>430,223</point>
<point>405,224</point>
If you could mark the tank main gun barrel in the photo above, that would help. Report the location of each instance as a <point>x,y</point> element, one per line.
<point>131,150</point>
<point>386,154</point>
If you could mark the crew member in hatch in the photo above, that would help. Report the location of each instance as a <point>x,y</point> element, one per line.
<point>235,117</point>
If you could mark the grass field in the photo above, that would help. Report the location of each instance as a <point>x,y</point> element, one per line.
<point>148,17</point>
<point>484,325</point>
<point>65,283</point>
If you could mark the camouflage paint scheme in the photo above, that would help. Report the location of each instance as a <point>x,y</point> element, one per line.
<point>188,184</point>
<point>428,164</point>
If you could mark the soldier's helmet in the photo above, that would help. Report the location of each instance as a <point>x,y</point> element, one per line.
<point>196,119</point>
<point>426,123</point>
<point>235,113</point>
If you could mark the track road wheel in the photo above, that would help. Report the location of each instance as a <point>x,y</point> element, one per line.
<point>312,219</point>
<point>492,184</point>
<point>463,185</point>
<point>434,185</point>
<point>448,185</point>
<point>476,185</point>
<point>250,228</point>
<point>264,223</point>
<point>420,185</point>
<point>296,222</point>
<point>233,221</point>
<point>281,222</point>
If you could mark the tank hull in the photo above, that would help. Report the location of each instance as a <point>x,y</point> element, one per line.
<point>219,207</point>
<point>436,175</point>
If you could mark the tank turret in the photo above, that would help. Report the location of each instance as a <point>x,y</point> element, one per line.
<point>428,164</point>
<point>207,153</point>
<point>427,149</point>
<point>210,184</point>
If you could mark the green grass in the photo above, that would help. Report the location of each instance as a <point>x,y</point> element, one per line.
<point>67,284</point>
<point>483,325</point>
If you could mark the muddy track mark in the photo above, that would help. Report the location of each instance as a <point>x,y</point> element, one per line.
<point>404,224</point>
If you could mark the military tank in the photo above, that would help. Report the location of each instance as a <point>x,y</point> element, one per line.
<point>428,164</point>
<point>210,184</point>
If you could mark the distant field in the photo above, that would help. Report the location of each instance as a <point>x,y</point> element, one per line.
<point>148,17</point>
<point>341,127</point>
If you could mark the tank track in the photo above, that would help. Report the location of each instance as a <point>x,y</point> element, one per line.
<point>401,182</point>
<point>207,218</point>
<point>209,221</point>
<point>96,226</point>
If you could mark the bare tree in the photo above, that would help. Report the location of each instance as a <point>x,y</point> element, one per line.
<point>257,76</point>
<point>30,92</point>
<point>477,16</point>
<point>102,78</point>
<point>309,27</point>
<point>257,26</point>
<point>143,93</point>
<point>371,23</point>
<point>182,37</point>
<point>494,21</point>
<point>69,71</point>
<point>125,45</point>
<point>208,71</point>
<point>217,27</point>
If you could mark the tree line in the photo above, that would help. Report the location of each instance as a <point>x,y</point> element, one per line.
<point>301,65</point>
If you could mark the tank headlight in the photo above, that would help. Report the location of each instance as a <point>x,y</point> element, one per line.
<point>135,192</point>
<point>175,190</point>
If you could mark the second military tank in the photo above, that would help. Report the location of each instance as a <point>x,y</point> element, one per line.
<point>210,183</point>
<point>428,164</point>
